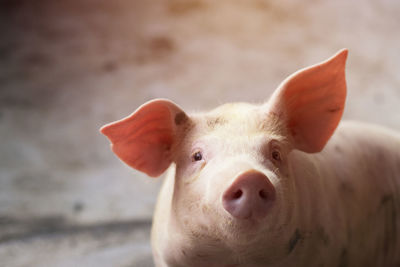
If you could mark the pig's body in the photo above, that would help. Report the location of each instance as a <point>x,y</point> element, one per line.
<point>352,209</point>
<point>261,186</point>
<point>347,206</point>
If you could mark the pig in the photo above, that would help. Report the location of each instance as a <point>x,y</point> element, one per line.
<point>280,183</point>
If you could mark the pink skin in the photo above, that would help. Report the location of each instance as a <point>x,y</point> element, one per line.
<point>261,186</point>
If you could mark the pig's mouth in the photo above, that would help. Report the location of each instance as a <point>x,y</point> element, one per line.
<point>249,223</point>
<point>249,228</point>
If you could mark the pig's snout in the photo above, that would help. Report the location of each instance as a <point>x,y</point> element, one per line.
<point>249,196</point>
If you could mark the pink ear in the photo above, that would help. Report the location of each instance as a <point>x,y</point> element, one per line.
<point>144,139</point>
<point>311,101</point>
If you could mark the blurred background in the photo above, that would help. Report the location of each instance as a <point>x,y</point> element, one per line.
<point>68,67</point>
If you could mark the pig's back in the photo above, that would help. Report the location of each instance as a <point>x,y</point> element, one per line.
<point>364,184</point>
<point>365,153</point>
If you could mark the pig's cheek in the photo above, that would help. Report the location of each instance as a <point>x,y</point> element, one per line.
<point>193,171</point>
<point>282,175</point>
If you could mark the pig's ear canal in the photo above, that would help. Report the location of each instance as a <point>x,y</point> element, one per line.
<point>311,102</point>
<point>144,139</point>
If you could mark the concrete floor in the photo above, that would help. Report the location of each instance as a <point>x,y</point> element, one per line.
<point>68,67</point>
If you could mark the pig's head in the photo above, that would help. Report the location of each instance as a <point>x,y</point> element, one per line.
<point>232,186</point>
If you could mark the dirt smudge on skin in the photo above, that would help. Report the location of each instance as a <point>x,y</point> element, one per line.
<point>323,236</point>
<point>343,260</point>
<point>294,240</point>
<point>161,44</point>
<point>338,149</point>
<point>212,123</point>
<point>346,189</point>
<point>180,118</point>
<point>110,66</point>
<point>387,209</point>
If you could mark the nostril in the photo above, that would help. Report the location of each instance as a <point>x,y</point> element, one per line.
<point>237,194</point>
<point>263,194</point>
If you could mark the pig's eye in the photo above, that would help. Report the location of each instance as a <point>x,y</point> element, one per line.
<point>197,156</point>
<point>276,155</point>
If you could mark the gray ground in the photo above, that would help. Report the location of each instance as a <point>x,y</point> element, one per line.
<point>68,67</point>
